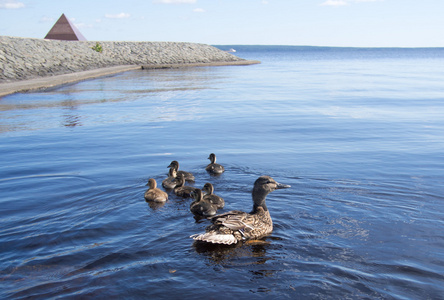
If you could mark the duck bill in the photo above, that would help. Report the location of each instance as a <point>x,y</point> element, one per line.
<point>282,186</point>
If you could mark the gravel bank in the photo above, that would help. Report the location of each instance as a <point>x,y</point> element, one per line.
<point>26,58</point>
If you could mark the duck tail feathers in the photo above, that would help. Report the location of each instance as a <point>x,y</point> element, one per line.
<point>226,239</point>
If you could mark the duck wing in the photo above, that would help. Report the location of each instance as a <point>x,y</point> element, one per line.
<point>184,191</point>
<point>215,200</point>
<point>203,208</point>
<point>215,168</point>
<point>169,183</point>
<point>235,220</point>
<point>187,175</point>
<point>227,228</point>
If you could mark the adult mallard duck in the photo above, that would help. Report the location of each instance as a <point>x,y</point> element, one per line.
<point>182,190</point>
<point>214,199</point>
<point>187,175</point>
<point>170,182</point>
<point>200,206</point>
<point>153,193</point>
<point>234,226</point>
<point>213,167</point>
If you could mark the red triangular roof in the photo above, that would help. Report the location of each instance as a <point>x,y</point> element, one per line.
<point>64,30</point>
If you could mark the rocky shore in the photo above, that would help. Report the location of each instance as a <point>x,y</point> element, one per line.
<point>26,58</point>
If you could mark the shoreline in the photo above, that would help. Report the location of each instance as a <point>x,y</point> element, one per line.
<point>35,84</point>
<point>31,64</point>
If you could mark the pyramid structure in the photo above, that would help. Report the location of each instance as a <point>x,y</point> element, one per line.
<point>64,30</point>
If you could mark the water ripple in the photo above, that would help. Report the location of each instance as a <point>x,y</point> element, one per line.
<point>358,137</point>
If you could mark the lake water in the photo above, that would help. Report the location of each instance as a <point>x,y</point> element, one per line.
<point>357,133</point>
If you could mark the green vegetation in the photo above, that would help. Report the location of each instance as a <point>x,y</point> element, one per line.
<point>97,47</point>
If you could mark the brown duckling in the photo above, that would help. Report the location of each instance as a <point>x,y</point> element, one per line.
<point>200,206</point>
<point>153,193</point>
<point>182,190</point>
<point>170,182</point>
<point>212,198</point>
<point>213,167</point>
<point>187,175</point>
<point>234,226</point>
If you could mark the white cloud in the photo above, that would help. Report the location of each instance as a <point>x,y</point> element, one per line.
<point>334,3</point>
<point>83,25</point>
<point>264,2</point>
<point>118,16</point>
<point>46,19</point>
<point>175,1</point>
<point>11,4</point>
<point>345,2</point>
<point>199,10</point>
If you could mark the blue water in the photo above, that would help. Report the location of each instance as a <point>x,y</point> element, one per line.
<point>357,133</point>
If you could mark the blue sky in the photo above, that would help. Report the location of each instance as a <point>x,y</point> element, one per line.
<point>359,23</point>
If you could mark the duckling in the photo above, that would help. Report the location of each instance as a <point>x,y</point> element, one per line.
<point>170,182</point>
<point>214,199</point>
<point>187,175</point>
<point>213,167</point>
<point>235,226</point>
<point>182,190</point>
<point>200,206</point>
<point>153,193</point>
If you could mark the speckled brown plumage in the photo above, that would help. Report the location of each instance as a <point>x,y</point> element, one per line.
<point>235,226</point>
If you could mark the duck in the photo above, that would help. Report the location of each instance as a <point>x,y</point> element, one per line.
<point>153,193</point>
<point>200,206</point>
<point>213,167</point>
<point>235,226</point>
<point>187,175</point>
<point>182,190</point>
<point>214,199</point>
<point>170,182</point>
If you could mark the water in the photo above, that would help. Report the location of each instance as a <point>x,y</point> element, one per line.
<point>357,133</point>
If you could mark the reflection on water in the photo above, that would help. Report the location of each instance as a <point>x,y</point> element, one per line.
<point>359,140</point>
<point>155,205</point>
<point>228,255</point>
<point>150,88</point>
<point>71,118</point>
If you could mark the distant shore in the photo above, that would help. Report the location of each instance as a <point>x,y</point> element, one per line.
<point>29,64</point>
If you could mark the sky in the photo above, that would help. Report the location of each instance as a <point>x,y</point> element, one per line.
<point>341,23</point>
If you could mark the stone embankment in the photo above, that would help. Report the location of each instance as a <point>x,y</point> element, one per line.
<point>26,58</point>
